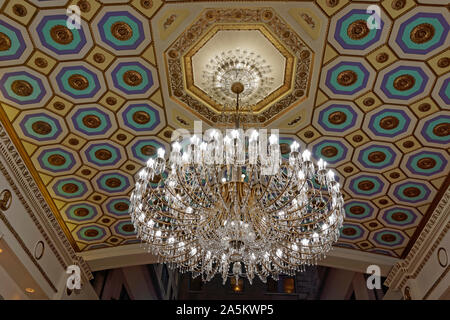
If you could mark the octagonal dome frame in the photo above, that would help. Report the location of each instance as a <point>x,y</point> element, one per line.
<point>262,104</point>
<point>273,27</point>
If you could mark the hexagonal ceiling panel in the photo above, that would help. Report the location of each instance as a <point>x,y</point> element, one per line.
<point>87,107</point>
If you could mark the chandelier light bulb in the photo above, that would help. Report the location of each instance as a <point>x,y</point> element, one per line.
<point>273,139</point>
<point>161,153</point>
<point>330,175</point>
<point>150,162</point>
<point>294,146</point>
<point>176,146</point>
<point>320,164</point>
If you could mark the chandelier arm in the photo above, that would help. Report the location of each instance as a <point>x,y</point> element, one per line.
<point>172,246</point>
<point>303,232</point>
<point>279,195</point>
<point>263,265</point>
<point>223,200</point>
<point>306,215</point>
<point>299,251</point>
<point>168,205</point>
<point>265,190</point>
<point>179,256</point>
<point>201,187</point>
<point>186,191</point>
<point>250,186</point>
<point>290,200</point>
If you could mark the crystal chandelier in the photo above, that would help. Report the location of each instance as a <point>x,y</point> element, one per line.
<point>227,203</point>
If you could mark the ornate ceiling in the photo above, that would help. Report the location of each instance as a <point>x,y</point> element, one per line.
<point>88,107</point>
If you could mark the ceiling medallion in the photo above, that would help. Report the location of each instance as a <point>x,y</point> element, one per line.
<point>389,123</point>
<point>61,34</point>
<point>22,88</point>
<point>41,62</point>
<point>368,101</point>
<point>84,5</point>
<point>422,33</point>
<point>91,121</point>
<point>19,10</point>
<point>388,237</point>
<point>357,138</point>
<point>141,117</point>
<point>113,182</point>
<point>121,31</point>
<point>443,62</point>
<point>103,154</point>
<point>348,169</point>
<point>376,156</point>
<point>358,29</point>
<point>332,3</point>
<point>146,4</point>
<point>5,42</point>
<point>347,78</point>
<point>132,78</point>
<point>366,185</point>
<point>111,101</point>
<point>442,129</point>
<point>404,82</point>
<point>99,57</point>
<point>70,188</point>
<point>394,175</point>
<point>78,82</point>
<point>382,57</point>
<point>41,127</point>
<point>357,210</point>
<point>399,216</point>
<point>237,66</point>
<point>337,117</point>
<point>229,204</point>
<point>411,192</point>
<point>56,160</point>
<point>148,150</point>
<point>121,206</point>
<point>81,212</point>
<point>408,144</point>
<point>91,233</point>
<point>349,231</point>
<point>426,163</point>
<point>398,4</point>
<point>329,151</point>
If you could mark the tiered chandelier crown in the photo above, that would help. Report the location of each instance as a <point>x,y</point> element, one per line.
<point>228,203</point>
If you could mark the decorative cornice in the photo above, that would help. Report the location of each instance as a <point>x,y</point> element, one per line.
<point>33,199</point>
<point>429,239</point>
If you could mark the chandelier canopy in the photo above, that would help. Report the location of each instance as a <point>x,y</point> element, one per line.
<point>229,203</point>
